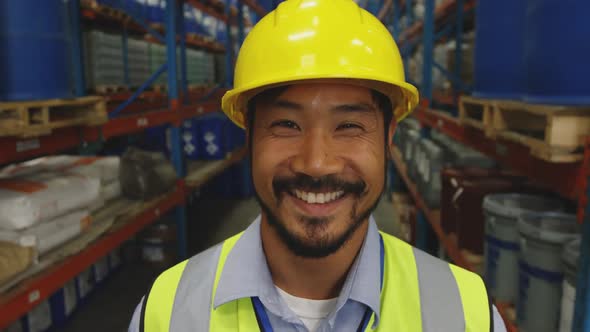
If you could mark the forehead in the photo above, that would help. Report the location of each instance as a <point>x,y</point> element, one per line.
<point>308,94</point>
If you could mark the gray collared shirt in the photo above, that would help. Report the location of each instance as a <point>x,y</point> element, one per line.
<point>246,274</point>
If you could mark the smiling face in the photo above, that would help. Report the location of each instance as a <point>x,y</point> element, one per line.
<point>318,163</point>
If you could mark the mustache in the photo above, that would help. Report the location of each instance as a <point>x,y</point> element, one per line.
<point>305,182</point>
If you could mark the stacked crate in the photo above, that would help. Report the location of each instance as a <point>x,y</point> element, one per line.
<point>200,67</point>
<point>104,60</point>
<point>157,57</point>
<point>138,61</point>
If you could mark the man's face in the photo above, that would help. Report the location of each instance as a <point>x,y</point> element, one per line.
<point>318,163</point>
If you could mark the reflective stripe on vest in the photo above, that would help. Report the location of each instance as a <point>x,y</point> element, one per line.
<point>420,293</point>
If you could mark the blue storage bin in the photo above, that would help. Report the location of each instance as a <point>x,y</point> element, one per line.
<point>84,285</point>
<point>63,303</point>
<point>499,67</point>
<point>38,319</point>
<point>210,136</point>
<point>115,259</point>
<point>35,50</point>
<point>156,139</point>
<point>190,139</point>
<point>557,51</point>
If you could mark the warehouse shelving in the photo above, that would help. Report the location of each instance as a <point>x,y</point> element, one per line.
<point>38,287</point>
<point>570,180</point>
<point>432,217</point>
<point>156,108</point>
<point>16,148</point>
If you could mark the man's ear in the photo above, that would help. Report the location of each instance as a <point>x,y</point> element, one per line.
<point>390,133</point>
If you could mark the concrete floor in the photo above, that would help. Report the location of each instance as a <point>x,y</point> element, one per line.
<point>111,306</point>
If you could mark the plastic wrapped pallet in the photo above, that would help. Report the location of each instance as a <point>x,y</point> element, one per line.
<point>36,198</point>
<point>106,169</point>
<point>48,235</point>
<point>104,59</point>
<point>145,175</point>
<point>111,191</point>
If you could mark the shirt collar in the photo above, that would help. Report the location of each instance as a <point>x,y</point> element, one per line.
<point>246,273</point>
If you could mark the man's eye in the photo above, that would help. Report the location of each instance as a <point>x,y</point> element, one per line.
<point>345,126</point>
<point>285,124</point>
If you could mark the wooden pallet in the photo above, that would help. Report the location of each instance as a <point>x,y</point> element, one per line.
<point>163,88</point>
<point>159,27</point>
<point>36,118</point>
<point>477,113</point>
<point>108,89</point>
<point>105,10</point>
<point>553,133</point>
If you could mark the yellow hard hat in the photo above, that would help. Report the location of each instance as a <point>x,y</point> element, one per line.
<point>319,39</point>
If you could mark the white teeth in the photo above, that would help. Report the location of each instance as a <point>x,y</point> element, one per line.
<point>318,198</point>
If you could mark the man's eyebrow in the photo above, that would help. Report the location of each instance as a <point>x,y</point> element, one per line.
<point>286,104</point>
<point>355,107</point>
<point>342,108</point>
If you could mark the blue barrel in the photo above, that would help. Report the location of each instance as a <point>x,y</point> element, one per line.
<point>499,52</point>
<point>557,51</point>
<point>156,11</point>
<point>34,50</point>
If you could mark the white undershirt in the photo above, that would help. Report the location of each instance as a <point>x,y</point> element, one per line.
<point>311,312</point>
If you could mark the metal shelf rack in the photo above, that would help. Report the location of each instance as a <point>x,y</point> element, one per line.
<point>32,291</point>
<point>127,116</point>
<point>570,180</point>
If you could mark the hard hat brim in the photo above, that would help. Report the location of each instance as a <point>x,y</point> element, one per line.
<point>404,96</point>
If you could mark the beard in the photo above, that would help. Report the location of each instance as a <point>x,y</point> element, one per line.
<point>313,244</point>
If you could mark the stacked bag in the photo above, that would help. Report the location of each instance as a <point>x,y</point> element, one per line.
<point>47,201</point>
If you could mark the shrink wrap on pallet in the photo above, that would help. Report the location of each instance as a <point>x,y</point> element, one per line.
<point>106,169</point>
<point>30,200</point>
<point>111,190</point>
<point>48,235</point>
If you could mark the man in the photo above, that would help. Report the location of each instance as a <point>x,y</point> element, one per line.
<point>319,88</point>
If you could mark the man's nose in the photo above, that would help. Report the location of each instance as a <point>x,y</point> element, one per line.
<point>317,155</point>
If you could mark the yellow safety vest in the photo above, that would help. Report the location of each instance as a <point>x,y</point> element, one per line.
<point>414,296</point>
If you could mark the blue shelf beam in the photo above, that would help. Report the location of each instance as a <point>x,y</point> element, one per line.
<point>428,57</point>
<point>76,49</point>
<point>172,8</point>
<point>139,91</point>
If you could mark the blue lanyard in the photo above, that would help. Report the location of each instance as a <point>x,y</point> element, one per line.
<point>264,322</point>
